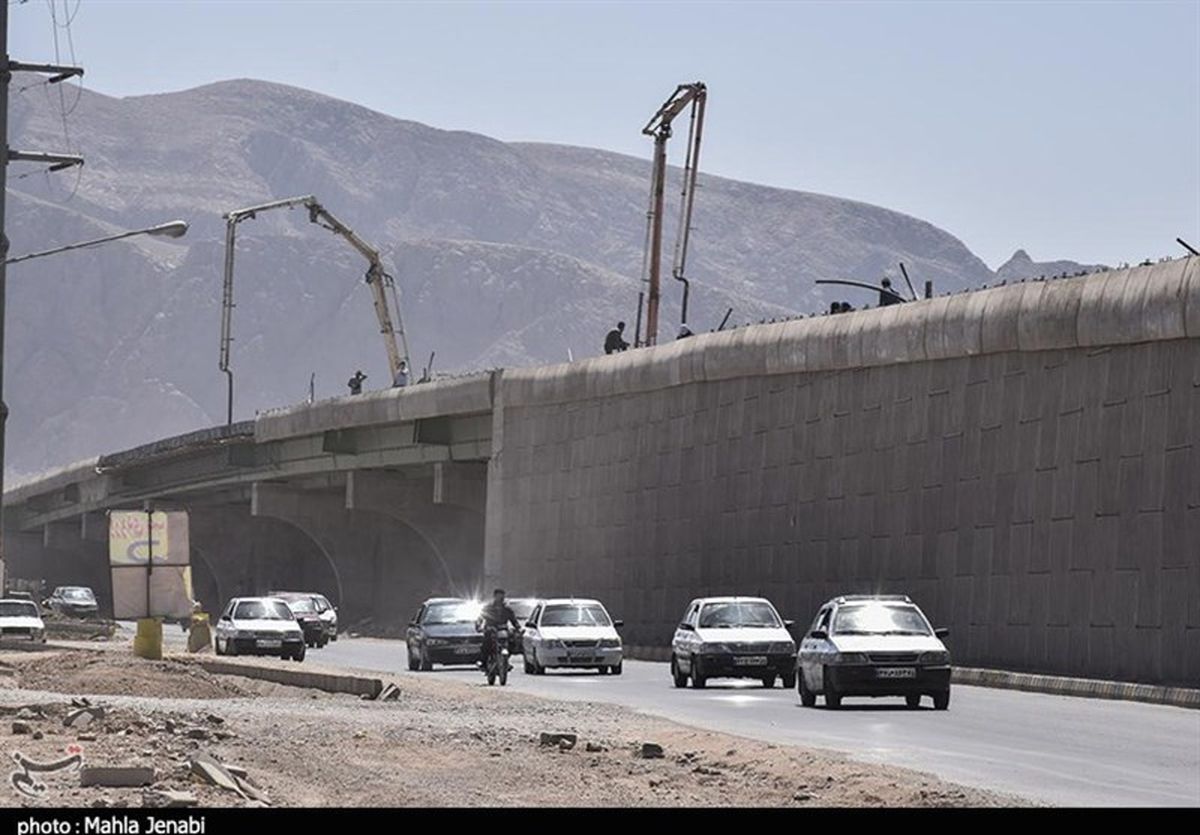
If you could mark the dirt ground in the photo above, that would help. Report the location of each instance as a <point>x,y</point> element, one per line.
<point>442,743</point>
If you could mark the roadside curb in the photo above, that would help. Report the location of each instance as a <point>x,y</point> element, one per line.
<point>1085,687</point>
<point>329,682</point>
<point>1035,683</point>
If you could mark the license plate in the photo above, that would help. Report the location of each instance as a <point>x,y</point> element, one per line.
<point>750,660</point>
<point>896,672</point>
<point>269,643</point>
<point>574,656</point>
<point>466,650</point>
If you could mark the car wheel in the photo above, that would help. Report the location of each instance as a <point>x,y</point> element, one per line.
<point>528,667</point>
<point>538,669</point>
<point>679,678</point>
<point>807,697</point>
<point>503,671</point>
<point>698,679</point>
<point>298,655</point>
<point>426,663</point>
<point>230,647</point>
<point>217,646</point>
<point>768,681</point>
<point>321,643</point>
<point>615,669</point>
<point>941,701</point>
<point>913,700</point>
<point>788,680</point>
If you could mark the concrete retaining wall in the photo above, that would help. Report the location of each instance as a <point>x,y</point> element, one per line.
<point>1023,461</point>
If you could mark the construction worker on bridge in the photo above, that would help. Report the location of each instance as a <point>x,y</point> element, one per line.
<point>355,382</point>
<point>615,342</point>
<point>401,378</point>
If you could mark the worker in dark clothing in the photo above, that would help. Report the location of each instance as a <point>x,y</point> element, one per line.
<point>493,616</point>
<point>615,341</point>
<point>355,382</point>
<point>886,298</point>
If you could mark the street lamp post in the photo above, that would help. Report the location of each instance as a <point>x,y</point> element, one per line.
<point>174,229</point>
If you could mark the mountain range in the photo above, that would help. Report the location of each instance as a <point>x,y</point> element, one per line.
<point>504,253</point>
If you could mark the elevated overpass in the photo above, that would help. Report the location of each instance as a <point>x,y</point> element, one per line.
<point>1023,460</point>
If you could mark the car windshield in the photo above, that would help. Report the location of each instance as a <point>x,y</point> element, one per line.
<point>880,619</point>
<point>454,611</point>
<point>321,604</point>
<point>17,609</point>
<point>739,613</point>
<point>79,595</point>
<point>303,606</point>
<point>575,615</point>
<point>262,610</point>
<point>522,608</point>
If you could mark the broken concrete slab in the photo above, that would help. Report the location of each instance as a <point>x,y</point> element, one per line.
<point>209,770</point>
<point>556,740</point>
<point>169,799</point>
<point>650,751</point>
<point>390,693</point>
<point>83,716</point>
<point>19,727</point>
<point>112,776</point>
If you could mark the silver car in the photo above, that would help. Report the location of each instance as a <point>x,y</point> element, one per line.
<point>873,645</point>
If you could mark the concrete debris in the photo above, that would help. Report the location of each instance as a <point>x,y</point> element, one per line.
<point>213,719</point>
<point>210,771</point>
<point>38,735</point>
<point>197,733</point>
<point>390,693</point>
<point>553,740</point>
<point>20,727</point>
<point>168,799</point>
<point>86,737</point>
<point>360,734</point>
<point>30,713</point>
<point>651,751</point>
<point>703,769</point>
<point>116,776</point>
<point>594,748</point>
<point>83,716</point>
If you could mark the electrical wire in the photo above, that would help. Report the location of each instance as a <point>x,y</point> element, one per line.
<point>65,111</point>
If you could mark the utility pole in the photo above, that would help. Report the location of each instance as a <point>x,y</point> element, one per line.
<point>57,162</point>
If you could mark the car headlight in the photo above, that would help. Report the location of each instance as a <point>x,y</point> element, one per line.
<point>715,648</point>
<point>849,658</point>
<point>935,656</point>
<point>552,643</point>
<point>610,643</point>
<point>783,647</point>
<point>435,642</point>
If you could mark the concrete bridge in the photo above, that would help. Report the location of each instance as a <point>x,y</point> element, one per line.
<point>1024,461</point>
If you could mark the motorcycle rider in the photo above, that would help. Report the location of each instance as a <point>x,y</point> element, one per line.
<point>494,615</point>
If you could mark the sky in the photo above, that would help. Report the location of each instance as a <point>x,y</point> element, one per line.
<point>1069,129</point>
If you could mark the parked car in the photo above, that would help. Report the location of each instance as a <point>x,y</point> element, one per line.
<point>732,637</point>
<point>259,626</point>
<point>20,618</point>
<point>522,607</point>
<point>73,601</point>
<point>443,632</point>
<point>873,645</point>
<point>569,632</point>
<point>324,610</point>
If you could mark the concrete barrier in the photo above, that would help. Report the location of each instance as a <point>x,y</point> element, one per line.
<point>329,682</point>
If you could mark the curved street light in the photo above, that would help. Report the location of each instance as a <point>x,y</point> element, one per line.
<point>174,229</point>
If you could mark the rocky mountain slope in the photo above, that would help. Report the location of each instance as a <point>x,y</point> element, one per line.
<point>505,254</point>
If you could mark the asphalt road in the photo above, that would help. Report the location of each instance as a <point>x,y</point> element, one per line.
<point>1056,749</point>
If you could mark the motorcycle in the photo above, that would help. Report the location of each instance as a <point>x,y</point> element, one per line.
<point>496,666</point>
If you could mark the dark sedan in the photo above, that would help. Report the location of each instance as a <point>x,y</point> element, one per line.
<point>443,632</point>
<point>73,601</point>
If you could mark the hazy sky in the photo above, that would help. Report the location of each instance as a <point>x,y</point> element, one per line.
<point>1069,129</point>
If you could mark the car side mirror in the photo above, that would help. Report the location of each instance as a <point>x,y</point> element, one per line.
<point>944,632</point>
<point>225,617</point>
<point>819,634</point>
<point>687,626</point>
<point>412,623</point>
<point>617,624</point>
<point>788,624</point>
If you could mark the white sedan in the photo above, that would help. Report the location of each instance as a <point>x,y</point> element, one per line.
<point>21,619</point>
<point>567,632</point>
<point>259,626</point>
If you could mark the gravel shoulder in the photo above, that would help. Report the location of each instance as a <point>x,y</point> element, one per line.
<point>441,743</point>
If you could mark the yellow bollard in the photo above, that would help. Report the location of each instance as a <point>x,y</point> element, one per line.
<point>200,633</point>
<point>147,643</point>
